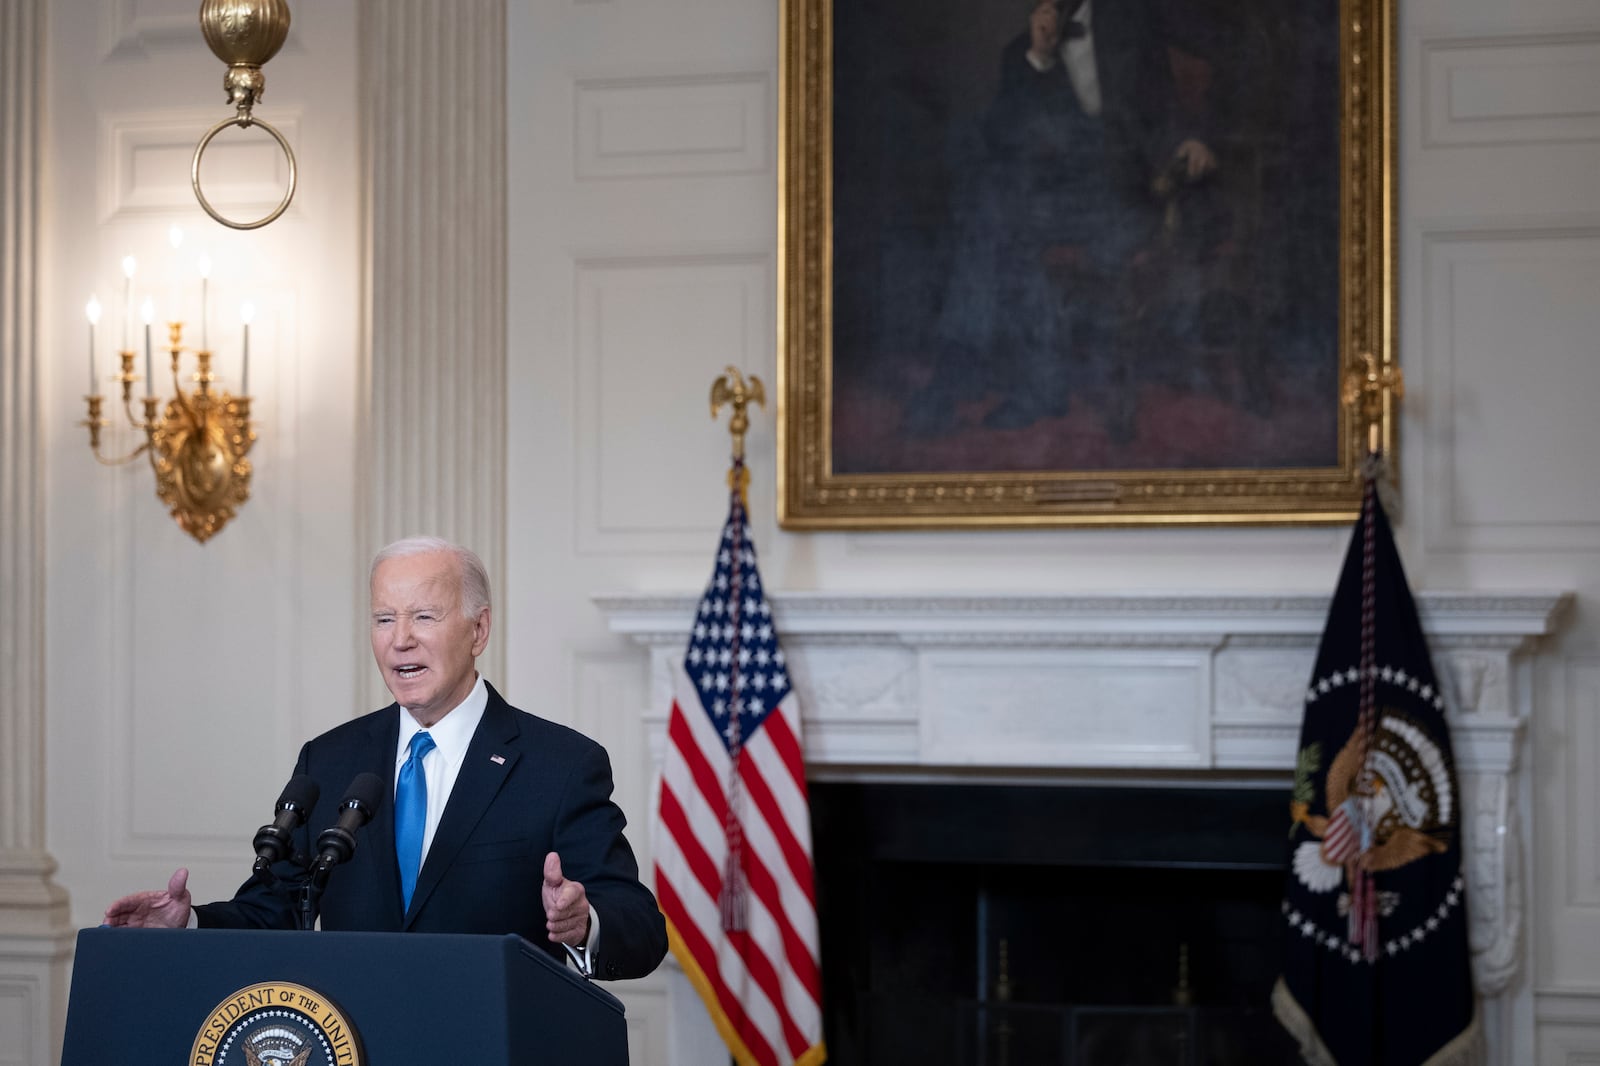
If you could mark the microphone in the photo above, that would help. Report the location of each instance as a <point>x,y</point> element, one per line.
<point>273,842</point>
<point>338,842</point>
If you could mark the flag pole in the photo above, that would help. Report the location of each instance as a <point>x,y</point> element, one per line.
<point>1371,392</point>
<point>732,389</point>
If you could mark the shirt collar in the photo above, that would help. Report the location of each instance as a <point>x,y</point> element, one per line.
<point>452,733</point>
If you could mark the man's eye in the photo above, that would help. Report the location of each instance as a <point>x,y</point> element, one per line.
<point>382,621</point>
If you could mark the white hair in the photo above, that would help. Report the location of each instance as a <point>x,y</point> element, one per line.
<point>474,576</point>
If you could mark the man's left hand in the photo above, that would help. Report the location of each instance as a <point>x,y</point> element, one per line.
<point>566,905</point>
<point>1197,160</point>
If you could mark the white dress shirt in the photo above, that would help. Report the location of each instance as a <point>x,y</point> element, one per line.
<point>1077,55</point>
<point>451,735</point>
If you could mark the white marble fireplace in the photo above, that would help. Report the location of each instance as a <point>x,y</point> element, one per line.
<point>1141,689</point>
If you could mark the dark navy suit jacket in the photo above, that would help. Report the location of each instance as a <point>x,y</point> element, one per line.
<point>526,788</point>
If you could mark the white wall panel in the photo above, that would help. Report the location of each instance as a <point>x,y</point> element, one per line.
<point>1050,708</point>
<point>610,689</point>
<point>640,322</point>
<point>673,125</point>
<point>1569,1045</point>
<point>134,28</point>
<point>19,1017</point>
<point>1511,90</point>
<point>244,173</point>
<point>1582,844</point>
<point>1569,1031</point>
<point>1511,373</point>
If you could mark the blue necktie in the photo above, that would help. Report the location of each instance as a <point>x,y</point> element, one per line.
<point>411,815</point>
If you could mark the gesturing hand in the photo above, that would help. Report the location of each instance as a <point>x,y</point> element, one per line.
<point>159,909</point>
<point>1196,159</point>
<point>566,905</point>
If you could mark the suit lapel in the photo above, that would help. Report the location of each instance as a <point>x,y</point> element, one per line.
<point>385,736</point>
<point>490,756</point>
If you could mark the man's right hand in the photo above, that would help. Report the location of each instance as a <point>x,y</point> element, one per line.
<point>166,908</point>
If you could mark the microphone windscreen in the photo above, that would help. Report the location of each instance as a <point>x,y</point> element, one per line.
<point>301,792</point>
<point>365,790</point>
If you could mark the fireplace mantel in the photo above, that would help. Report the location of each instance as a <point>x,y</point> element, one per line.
<point>1147,685</point>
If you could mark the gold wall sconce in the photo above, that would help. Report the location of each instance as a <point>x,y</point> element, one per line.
<point>198,441</point>
<point>243,34</point>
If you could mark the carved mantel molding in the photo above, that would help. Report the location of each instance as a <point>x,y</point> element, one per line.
<point>1198,686</point>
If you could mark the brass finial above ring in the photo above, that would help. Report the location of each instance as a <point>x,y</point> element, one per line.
<point>243,34</point>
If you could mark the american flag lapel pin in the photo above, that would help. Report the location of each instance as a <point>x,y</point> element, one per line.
<point>498,760</point>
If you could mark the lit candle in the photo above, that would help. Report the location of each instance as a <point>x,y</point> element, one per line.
<point>148,312</point>
<point>92,309</point>
<point>247,312</point>
<point>205,283</point>
<point>128,267</point>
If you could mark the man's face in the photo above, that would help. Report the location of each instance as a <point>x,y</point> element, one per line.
<point>424,645</point>
<point>1046,26</point>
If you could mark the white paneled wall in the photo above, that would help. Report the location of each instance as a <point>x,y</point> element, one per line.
<point>639,259</point>
<point>641,154</point>
<point>1500,246</point>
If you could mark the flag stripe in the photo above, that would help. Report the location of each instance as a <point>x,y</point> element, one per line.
<point>796,896</point>
<point>704,960</point>
<point>794,855</point>
<point>759,964</point>
<point>695,861</point>
<point>708,781</point>
<point>789,942</point>
<point>786,791</point>
<point>760,1017</point>
<point>786,744</point>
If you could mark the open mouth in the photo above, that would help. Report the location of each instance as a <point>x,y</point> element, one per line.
<point>409,671</point>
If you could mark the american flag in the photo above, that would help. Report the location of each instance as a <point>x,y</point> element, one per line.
<point>733,841</point>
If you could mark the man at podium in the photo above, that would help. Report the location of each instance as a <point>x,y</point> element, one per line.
<point>500,822</point>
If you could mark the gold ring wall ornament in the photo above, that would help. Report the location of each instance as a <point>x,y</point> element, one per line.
<point>243,34</point>
<point>244,121</point>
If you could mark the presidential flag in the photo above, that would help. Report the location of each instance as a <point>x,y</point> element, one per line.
<point>1377,970</point>
<point>732,844</point>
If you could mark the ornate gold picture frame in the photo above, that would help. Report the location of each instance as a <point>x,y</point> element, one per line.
<point>1026,296</point>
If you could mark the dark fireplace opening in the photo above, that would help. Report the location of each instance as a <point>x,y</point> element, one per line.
<point>1004,925</point>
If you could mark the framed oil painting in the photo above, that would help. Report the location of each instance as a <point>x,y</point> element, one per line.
<point>1081,262</point>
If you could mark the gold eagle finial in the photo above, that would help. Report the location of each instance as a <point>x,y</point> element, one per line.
<point>732,388</point>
